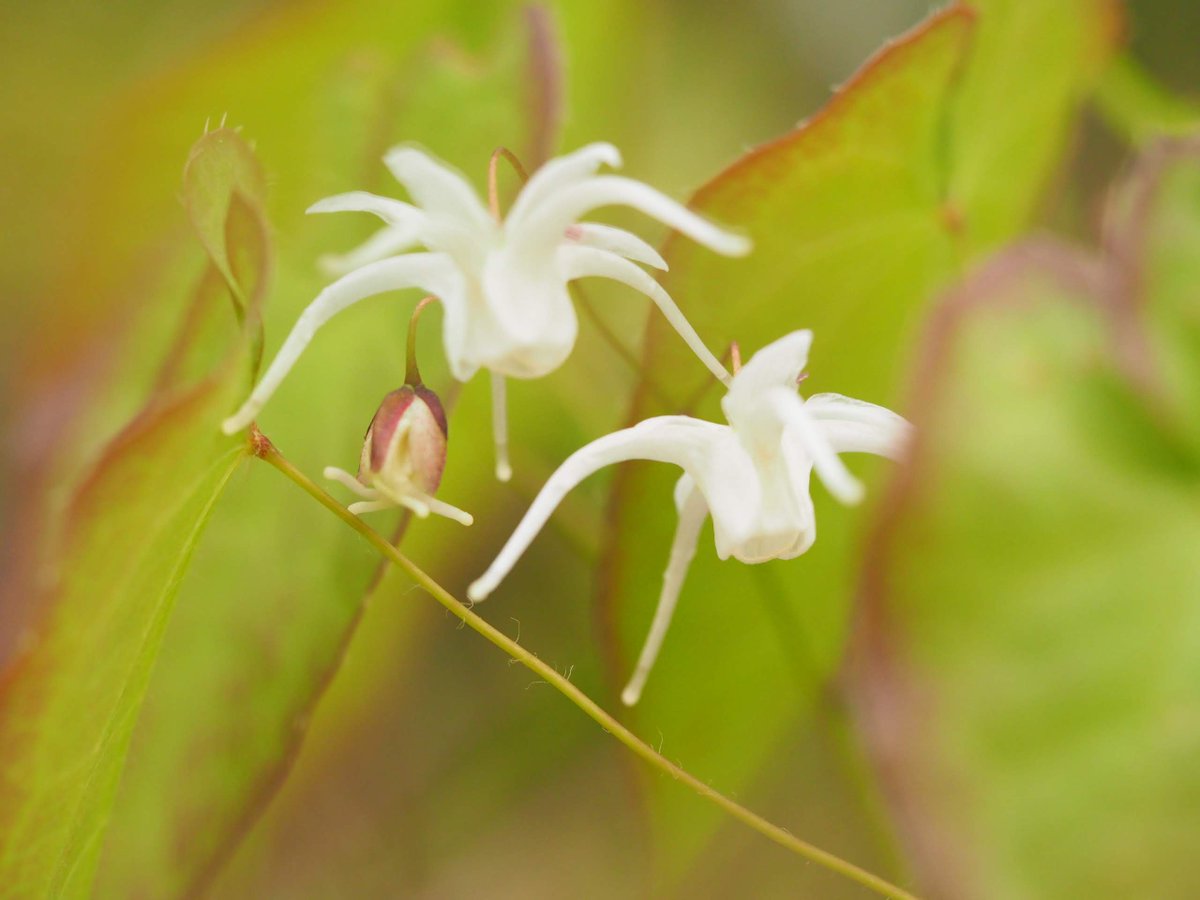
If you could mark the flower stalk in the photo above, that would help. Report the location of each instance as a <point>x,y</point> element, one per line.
<point>264,449</point>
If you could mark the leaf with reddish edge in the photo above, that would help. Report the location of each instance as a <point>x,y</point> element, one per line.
<point>1010,120</point>
<point>859,182</point>
<point>1026,666</point>
<point>240,748</point>
<point>858,217</point>
<point>70,697</point>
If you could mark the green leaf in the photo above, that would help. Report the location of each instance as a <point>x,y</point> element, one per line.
<point>1030,658</point>
<point>1158,221</point>
<point>845,215</point>
<point>1139,108</point>
<point>223,186</point>
<point>275,635</point>
<point>1010,119</point>
<point>69,700</point>
<point>934,151</point>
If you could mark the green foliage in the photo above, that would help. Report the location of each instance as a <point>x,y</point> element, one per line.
<point>70,700</point>
<point>273,636</point>
<point>857,217</point>
<point>1030,671</point>
<point>1138,108</point>
<point>941,148</point>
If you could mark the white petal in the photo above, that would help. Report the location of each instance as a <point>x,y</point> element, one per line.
<point>582,262</point>
<point>432,272</point>
<point>568,206</point>
<point>437,188</point>
<point>855,426</point>
<point>674,439</point>
<point>692,513</point>
<point>382,244</point>
<point>778,364</point>
<point>456,324</point>
<point>800,426</point>
<point>390,210</point>
<point>616,240</point>
<point>525,325</point>
<point>558,173</point>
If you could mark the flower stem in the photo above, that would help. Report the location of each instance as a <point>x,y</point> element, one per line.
<point>264,449</point>
<point>412,372</point>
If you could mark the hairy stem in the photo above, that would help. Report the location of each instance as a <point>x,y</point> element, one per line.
<point>264,449</point>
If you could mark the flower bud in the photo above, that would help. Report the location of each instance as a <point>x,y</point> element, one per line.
<point>404,451</point>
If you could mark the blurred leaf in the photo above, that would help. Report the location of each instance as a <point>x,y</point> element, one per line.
<point>845,210</point>
<point>69,701</point>
<point>934,151</point>
<point>1157,229</point>
<point>273,658</point>
<point>1010,121</point>
<point>1030,660</point>
<point>1141,109</point>
<point>222,175</point>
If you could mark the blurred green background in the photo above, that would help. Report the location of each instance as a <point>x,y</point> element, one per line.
<point>431,767</point>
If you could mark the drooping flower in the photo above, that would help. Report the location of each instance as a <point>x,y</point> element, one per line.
<point>751,475</point>
<point>503,283</point>
<point>404,451</point>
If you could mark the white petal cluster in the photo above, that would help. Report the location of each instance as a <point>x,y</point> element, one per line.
<point>503,283</point>
<point>750,475</point>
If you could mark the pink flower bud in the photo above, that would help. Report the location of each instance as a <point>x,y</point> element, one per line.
<point>405,445</point>
<point>404,452</point>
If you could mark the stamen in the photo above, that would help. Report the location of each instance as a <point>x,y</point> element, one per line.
<point>500,426</point>
<point>419,507</point>
<point>341,476</point>
<point>735,357</point>
<point>450,512</point>
<point>493,189</point>
<point>367,506</point>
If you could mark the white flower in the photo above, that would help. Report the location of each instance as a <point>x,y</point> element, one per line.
<point>503,284</point>
<point>403,456</point>
<point>751,476</point>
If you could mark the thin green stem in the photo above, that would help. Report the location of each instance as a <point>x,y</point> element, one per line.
<point>266,450</point>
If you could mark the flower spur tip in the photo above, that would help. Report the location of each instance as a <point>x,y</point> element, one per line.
<point>737,245</point>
